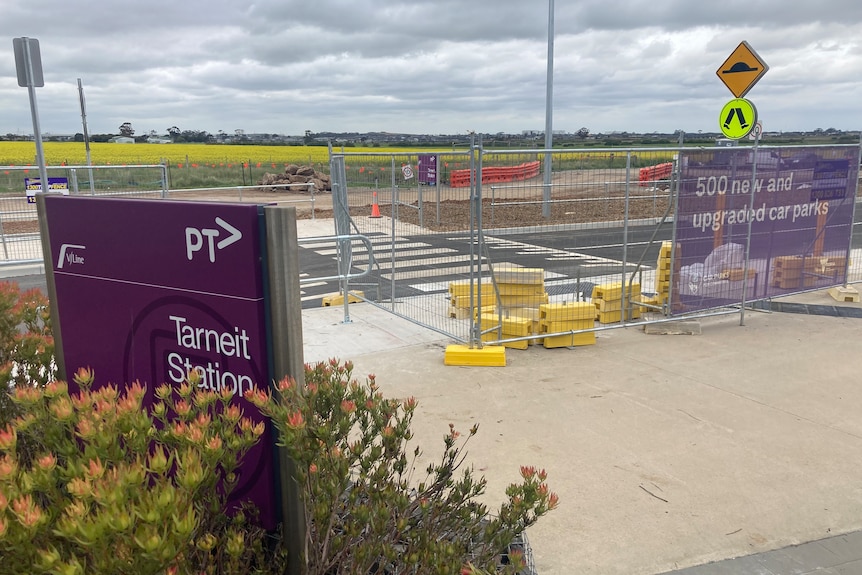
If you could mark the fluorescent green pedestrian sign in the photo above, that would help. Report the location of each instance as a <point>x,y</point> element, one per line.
<point>737,118</point>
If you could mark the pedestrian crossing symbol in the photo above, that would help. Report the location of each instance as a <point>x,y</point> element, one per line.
<point>737,118</point>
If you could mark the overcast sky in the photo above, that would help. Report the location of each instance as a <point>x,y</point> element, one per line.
<point>427,66</point>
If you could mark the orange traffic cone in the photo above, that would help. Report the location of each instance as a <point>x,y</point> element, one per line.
<point>375,209</point>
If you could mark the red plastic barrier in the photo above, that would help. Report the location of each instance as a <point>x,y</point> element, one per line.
<point>652,174</point>
<point>496,174</point>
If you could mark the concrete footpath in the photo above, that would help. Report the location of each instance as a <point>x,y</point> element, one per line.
<point>667,452</point>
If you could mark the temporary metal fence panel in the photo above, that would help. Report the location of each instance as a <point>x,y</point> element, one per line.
<point>554,261</point>
<point>19,240</point>
<point>560,252</point>
<point>607,218</point>
<point>19,229</point>
<point>399,202</point>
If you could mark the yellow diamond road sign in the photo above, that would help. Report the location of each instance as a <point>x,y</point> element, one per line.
<point>742,69</point>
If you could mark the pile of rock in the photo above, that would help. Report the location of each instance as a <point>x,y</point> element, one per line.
<point>294,174</point>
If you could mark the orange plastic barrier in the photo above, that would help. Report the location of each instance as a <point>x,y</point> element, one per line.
<point>655,173</point>
<point>495,175</point>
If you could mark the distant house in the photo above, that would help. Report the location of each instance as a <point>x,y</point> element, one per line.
<point>157,140</point>
<point>121,140</point>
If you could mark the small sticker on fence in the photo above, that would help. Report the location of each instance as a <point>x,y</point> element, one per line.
<point>407,171</point>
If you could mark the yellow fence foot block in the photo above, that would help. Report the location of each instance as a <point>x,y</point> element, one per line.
<point>336,299</point>
<point>488,356</point>
<point>840,293</point>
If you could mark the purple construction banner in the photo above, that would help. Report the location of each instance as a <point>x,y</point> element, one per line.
<point>428,169</point>
<point>801,220</point>
<point>148,290</point>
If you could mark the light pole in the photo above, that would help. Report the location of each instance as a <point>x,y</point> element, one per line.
<point>549,115</point>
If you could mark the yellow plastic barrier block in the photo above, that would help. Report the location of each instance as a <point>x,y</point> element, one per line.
<point>523,300</point>
<point>511,326</point>
<point>485,309</point>
<point>666,247</point>
<point>605,305</point>
<point>492,336</point>
<point>568,325</point>
<point>521,312</point>
<point>337,299</point>
<point>459,312</point>
<point>845,294</point>
<point>464,301</point>
<point>652,300</point>
<point>614,290</point>
<point>519,275</point>
<point>738,274</point>
<point>571,340</point>
<point>567,311</point>
<point>462,289</point>
<point>610,316</point>
<point>488,356</point>
<point>616,316</point>
<point>521,289</point>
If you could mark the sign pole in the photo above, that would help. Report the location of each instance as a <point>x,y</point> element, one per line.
<point>44,235</point>
<point>27,46</point>
<point>750,225</point>
<point>285,313</point>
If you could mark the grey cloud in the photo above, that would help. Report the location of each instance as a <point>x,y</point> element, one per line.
<point>430,65</point>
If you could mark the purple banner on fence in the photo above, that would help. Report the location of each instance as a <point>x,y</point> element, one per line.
<point>32,186</point>
<point>428,169</point>
<point>801,219</point>
<point>148,290</point>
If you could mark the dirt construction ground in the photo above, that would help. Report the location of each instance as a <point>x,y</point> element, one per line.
<point>574,201</point>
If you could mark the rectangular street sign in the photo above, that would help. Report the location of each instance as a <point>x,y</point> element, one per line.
<point>28,58</point>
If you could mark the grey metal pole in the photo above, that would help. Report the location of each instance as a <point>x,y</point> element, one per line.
<point>87,138</point>
<point>282,248</point>
<point>750,226</point>
<point>437,174</point>
<point>853,219</point>
<point>480,248</point>
<point>626,298</point>
<point>34,111</point>
<point>393,201</point>
<point>549,115</point>
<point>474,326</point>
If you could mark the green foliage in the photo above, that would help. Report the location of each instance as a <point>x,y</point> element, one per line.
<point>111,489</point>
<point>26,344</point>
<point>364,510</point>
<point>94,483</point>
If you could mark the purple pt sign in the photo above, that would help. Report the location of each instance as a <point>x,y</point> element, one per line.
<point>148,290</point>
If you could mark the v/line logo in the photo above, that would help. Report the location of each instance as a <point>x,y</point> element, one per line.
<point>68,255</point>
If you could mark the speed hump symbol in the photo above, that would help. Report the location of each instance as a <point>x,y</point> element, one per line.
<point>737,118</point>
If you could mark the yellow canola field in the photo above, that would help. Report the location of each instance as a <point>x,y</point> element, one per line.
<point>74,153</point>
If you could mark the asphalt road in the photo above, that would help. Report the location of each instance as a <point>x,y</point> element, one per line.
<point>440,258</point>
